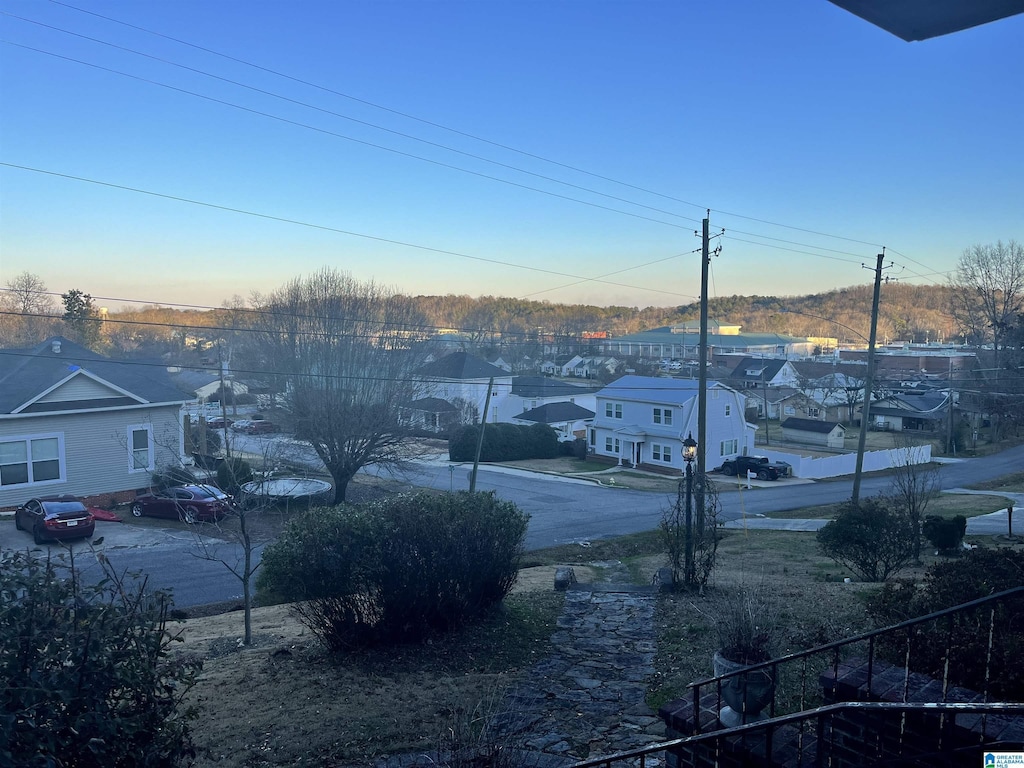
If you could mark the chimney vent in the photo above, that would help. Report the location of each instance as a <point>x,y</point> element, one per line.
<point>55,346</point>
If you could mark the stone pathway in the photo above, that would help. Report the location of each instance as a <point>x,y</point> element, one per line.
<point>587,698</point>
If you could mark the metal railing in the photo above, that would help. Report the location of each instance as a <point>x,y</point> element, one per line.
<point>797,695</point>
<point>796,699</point>
<point>819,742</point>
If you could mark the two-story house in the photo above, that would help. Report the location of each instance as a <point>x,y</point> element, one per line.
<point>642,421</point>
<point>461,380</point>
<point>529,392</point>
<point>73,421</point>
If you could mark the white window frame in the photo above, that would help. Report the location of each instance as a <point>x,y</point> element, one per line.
<point>27,440</point>
<point>133,469</point>
<point>608,444</point>
<point>662,453</point>
<point>729,447</point>
<point>728,409</point>
<point>663,416</point>
<point>613,410</point>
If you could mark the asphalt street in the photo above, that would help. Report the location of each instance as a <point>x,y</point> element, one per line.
<point>562,510</point>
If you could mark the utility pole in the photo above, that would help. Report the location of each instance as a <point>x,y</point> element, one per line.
<point>702,356</point>
<point>480,437</point>
<point>764,387</point>
<point>865,413</point>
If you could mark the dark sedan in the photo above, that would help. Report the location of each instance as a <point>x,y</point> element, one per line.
<point>191,503</point>
<point>55,518</point>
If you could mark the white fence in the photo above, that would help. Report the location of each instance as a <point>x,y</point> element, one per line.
<point>817,467</point>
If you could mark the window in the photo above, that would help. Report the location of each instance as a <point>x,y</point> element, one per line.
<point>790,410</point>
<point>608,444</point>
<point>663,416</point>
<point>613,410</point>
<point>140,448</point>
<point>593,437</point>
<point>728,410</point>
<point>661,453</point>
<point>729,447</point>
<point>813,412</point>
<point>31,460</point>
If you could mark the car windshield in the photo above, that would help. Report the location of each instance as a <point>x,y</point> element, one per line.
<point>63,507</point>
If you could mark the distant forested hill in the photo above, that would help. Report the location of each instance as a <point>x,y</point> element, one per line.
<point>908,312</point>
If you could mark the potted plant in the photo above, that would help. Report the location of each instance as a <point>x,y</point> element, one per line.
<point>747,627</point>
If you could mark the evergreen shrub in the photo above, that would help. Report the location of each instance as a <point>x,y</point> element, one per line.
<point>88,680</point>
<point>397,570</point>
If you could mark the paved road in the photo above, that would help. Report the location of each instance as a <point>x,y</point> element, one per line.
<point>562,510</point>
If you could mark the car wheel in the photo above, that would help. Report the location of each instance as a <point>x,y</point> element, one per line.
<point>137,509</point>
<point>190,515</point>
<point>762,474</point>
<point>729,470</point>
<point>35,535</point>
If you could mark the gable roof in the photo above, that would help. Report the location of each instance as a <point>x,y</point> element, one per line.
<point>651,389</point>
<point>553,413</point>
<point>771,367</point>
<point>544,386</point>
<point>776,394</point>
<point>431,405</point>
<point>27,375</point>
<point>461,365</point>
<point>811,425</point>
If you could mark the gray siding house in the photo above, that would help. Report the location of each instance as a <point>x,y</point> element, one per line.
<point>73,421</point>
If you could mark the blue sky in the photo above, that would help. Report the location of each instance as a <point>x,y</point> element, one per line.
<point>792,113</point>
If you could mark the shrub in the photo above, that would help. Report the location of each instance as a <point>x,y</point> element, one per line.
<point>978,573</point>
<point>397,570</point>
<point>87,677</point>
<point>504,442</point>
<point>872,539</point>
<point>233,474</point>
<point>945,535</point>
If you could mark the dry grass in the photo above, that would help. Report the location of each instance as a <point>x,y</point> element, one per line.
<point>286,702</point>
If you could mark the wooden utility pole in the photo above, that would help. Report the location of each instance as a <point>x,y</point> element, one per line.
<point>480,437</point>
<point>702,374</point>
<point>865,413</point>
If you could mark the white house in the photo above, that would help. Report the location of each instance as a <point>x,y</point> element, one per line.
<point>569,420</point>
<point>73,421</point>
<point>642,421</point>
<point>581,367</point>
<point>529,392</point>
<point>461,379</point>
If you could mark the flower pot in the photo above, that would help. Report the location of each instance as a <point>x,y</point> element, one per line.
<point>745,696</point>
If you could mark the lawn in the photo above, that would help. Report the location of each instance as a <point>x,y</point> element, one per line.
<point>945,505</point>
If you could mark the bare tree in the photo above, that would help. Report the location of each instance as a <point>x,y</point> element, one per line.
<point>345,349</point>
<point>692,549</point>
<point>987,292</point>
<point>27,309</point>
<point>913,487</point>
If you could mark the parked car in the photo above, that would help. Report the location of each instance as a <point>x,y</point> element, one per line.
<point>55,518</point>
<point>255,426</point>
<point>218,422</point>
<point>191,503</point>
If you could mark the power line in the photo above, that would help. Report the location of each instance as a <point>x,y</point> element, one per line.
<point>354,140</point>
<point>436,125</point>
<point>326,228</point>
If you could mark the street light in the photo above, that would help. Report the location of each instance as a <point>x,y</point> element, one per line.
<point>689,454</point>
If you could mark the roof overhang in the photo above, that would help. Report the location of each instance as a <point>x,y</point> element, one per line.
<point>923,19</point>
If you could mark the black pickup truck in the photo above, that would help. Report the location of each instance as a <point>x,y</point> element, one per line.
<point>759,465</point>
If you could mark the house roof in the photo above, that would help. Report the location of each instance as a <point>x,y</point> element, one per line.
<point>27,374</point>
<point>460,365</point>
<point>649,388</point>
<point>771,367</point>
<point>811,425</point>
<point>923,19</point>
<point>543,386</point>
<point>191,381</point>
<point>554,413</point>
<point>431,405</point>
